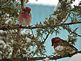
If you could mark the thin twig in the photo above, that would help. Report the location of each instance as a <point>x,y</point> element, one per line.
<point>69,30</point>
<point>46,38</point>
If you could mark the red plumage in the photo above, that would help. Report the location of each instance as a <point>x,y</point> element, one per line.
<point>25,16</point>
<point>62,47</point>
<point>55,41</point>
<point>26,9</point>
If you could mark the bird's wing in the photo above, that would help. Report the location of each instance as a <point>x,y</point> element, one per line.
<point>65,43</point>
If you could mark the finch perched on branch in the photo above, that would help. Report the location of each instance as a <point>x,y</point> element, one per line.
<point>25,16</point>
<point>62,47</point>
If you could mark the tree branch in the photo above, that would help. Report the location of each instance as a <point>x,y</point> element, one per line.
<point>11,27</point>
<point>22,3</point>
<point>54,57</point>
<point>39,58</point>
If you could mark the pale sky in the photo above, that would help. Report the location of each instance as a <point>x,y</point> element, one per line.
<point>44,2</point>
<point>76,57</point>
<point>49,2</point>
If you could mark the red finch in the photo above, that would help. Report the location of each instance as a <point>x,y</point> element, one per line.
<point>62,47</point>
<point>25,16</point>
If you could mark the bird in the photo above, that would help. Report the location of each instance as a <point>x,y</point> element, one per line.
<point>25,16</point>
<point>62,47</point>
